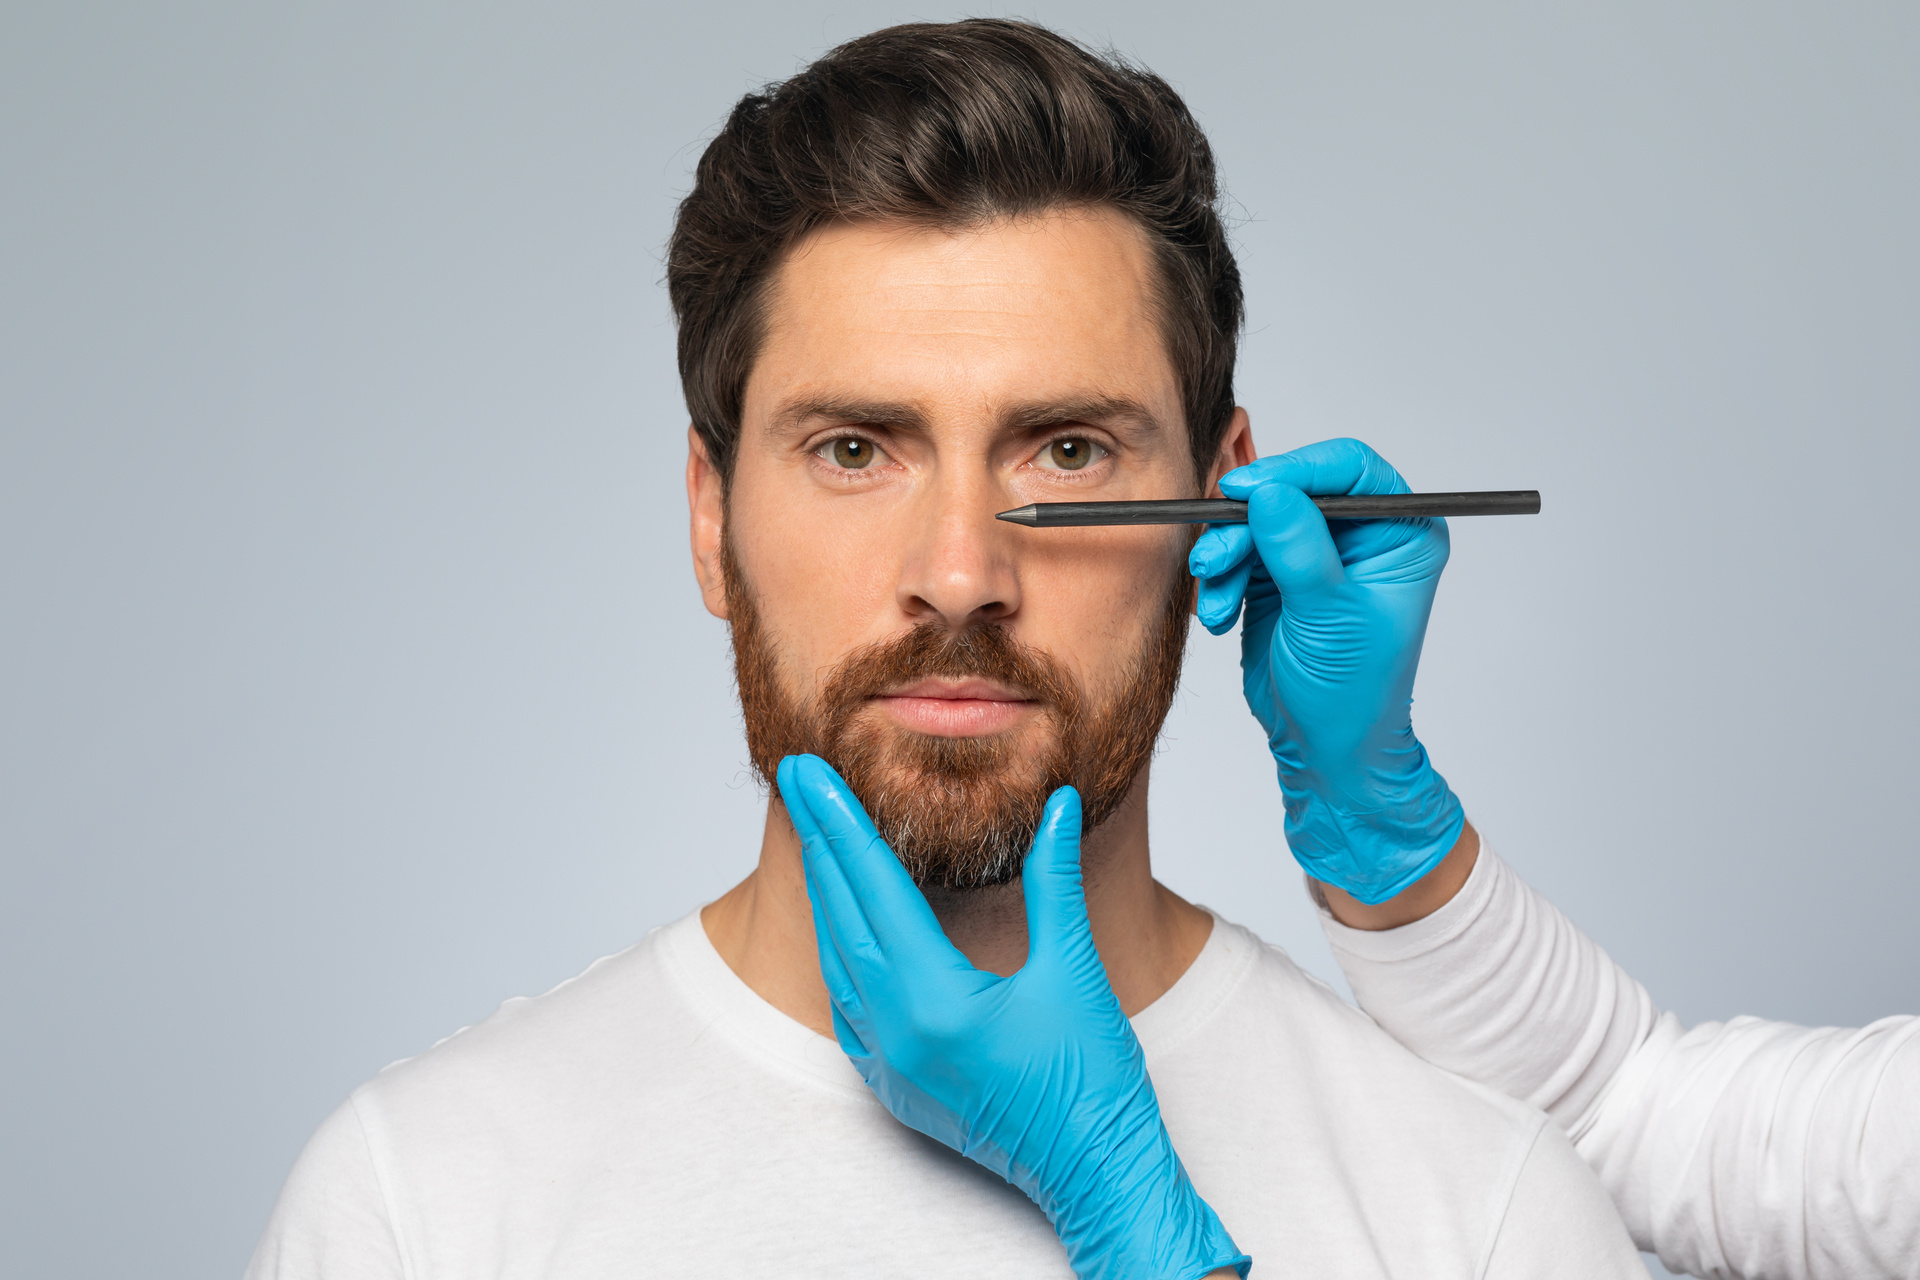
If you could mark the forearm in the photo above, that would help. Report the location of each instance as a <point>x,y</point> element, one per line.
<point>1498,986</point>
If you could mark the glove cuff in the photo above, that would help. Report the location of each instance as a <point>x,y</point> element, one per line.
<point>1374,852</point>
<point>1154,1224</point>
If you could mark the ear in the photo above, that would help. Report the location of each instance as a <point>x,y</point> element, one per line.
<point>706,504</point>
<point>1236,450</point>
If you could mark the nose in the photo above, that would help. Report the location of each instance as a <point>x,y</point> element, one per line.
<point>959,567</point>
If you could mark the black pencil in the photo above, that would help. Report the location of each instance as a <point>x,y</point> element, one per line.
<point>1354,506</point>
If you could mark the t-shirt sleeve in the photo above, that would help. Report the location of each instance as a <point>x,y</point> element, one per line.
<point>331,1221</point>
<point>1560,1223</point>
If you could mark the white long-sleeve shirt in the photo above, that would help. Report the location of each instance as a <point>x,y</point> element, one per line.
<point>1746,1148</point>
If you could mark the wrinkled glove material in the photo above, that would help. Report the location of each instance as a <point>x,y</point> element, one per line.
<point>1335,613</point>
<point>1037,1075</point>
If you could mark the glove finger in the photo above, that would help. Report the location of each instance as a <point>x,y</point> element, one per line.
<point>1050,880</point>
<point>841,932</point>
<point>850,1024</point>
<point>1219,601</point>
<point>1294,545</point>
<point>891,912</point>
<point>1222,559</point>
<point>1219,549</point>
<point>1324,468</point>
<point>844,1001</point>
<point>842,990</point>
<point>833,899</point>
<point>1342,467</point>
<point>1399,547</point>
<point>851,1043</point>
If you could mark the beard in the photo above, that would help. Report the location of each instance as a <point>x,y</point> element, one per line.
<point>960,813</point>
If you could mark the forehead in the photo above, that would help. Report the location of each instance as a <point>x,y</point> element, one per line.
<point>1059,304</point>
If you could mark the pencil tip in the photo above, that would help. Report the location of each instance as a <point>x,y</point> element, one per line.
<point>1028,515</point>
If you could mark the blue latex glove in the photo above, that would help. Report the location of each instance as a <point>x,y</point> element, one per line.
<point>1037,1076</point>
<point>1335,615</point>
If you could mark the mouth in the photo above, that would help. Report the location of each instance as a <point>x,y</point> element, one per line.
<point>969,708</point>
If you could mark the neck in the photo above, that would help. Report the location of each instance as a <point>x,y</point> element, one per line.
<point>1147,935</point>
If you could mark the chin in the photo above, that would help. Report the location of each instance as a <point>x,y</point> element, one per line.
<point>960,813</point>
<point>1013,760</point>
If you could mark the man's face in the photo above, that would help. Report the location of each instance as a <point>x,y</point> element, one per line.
<point>956,668</point>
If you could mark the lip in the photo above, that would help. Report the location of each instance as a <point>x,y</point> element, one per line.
<point>972,689</point>
<point>956,708</point>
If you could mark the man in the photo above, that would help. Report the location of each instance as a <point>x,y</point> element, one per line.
<point>945,271</point>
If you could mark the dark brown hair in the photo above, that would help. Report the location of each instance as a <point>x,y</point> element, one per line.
<point>950,124</point>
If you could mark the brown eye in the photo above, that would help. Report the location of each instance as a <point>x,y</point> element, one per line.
<point>1071,454</point>
<point>852,452</point>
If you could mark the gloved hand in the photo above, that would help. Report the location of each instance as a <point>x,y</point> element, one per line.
<point>1037,1076</point>
<point>1335,615</point>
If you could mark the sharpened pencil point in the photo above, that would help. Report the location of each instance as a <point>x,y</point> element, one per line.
<point>1028,515</point>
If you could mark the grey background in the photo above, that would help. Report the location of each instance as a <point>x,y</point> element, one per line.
<point>353,678</point>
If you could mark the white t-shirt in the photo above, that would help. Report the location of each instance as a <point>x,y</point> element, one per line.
<point>655,1117</point>
<point>1745,1148</point>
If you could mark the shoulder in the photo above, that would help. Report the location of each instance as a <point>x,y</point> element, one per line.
<point>499,1122</point>
<point>331,1217</point>
<point>1290,1033</point>
<point>1280,1083</point>
<point>1559,1221</point>
<point>536,1056</point>
<point>1295,1019</point>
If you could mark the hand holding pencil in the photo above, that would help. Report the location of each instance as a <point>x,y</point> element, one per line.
<point>1334,619</point>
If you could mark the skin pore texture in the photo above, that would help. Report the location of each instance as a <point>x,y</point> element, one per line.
<point>961,360</point>
<point>912,382</point>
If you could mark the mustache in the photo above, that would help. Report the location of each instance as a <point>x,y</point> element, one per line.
<point>959,813</point>
<point>985,651</point>
<point>948,807</point>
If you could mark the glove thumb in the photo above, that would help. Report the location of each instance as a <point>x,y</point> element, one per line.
<point>1050,878</point>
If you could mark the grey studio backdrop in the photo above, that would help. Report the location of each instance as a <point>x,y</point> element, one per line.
<point>354,676</point>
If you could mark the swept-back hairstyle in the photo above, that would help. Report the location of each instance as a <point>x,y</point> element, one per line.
<point>950,124</point>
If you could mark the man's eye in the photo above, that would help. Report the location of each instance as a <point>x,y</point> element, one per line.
<point>852,452</point>
<point>1069,453</point>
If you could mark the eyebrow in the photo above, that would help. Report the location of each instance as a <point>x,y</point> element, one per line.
<point>1116,412</point>
<point>790,417</point>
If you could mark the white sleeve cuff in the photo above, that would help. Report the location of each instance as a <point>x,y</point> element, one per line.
<point>1388,946</point>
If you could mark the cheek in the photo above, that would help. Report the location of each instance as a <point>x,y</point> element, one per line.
<point>819,595</point>
<point>1095,608</point>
